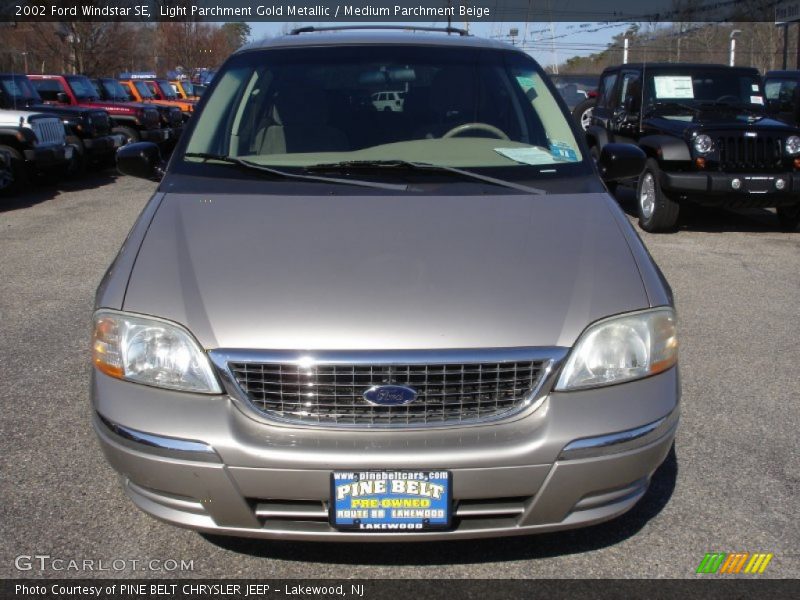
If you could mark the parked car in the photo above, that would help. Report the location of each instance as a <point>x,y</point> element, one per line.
<point>184,89</point>
<point>163,90</point>
<point>88,130</point>
<point>111,90</point>
<point>580,94</point>
<point>388,101</point>
<point>783,95</point>
<point>707,138</point>
<point>136,122</point>
<point>36,143</point>
<point>199,89</point>
<point>139,91</point>
<point>336,323</point>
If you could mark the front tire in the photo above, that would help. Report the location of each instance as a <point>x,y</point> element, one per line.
<point>657,211</point>
<point>77,164</point>
<point>131,135</point>
<point>582,113</point>
<point>789,217</point>
<point>19,173</point>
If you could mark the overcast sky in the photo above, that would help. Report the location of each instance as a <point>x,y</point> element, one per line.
<point>567,39</point>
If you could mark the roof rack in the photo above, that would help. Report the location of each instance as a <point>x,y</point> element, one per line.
<point>312,29</point>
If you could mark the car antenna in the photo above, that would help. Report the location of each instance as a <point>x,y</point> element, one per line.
<point>641,93</point>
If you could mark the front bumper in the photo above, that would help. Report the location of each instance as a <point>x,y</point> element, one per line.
<point>756,189</point>
<point>104,144</point>
<point>199,462</point>
<point>49,156</point>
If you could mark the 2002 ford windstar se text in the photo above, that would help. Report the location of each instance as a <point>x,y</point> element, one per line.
<point>333,322</point>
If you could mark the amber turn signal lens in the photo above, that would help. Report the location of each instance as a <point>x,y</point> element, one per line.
<point>700,162</point>
<point>797,163</point>
<point>105,347</point>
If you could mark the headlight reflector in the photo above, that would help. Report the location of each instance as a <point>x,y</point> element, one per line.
<point>703,144</point>
<point>793,144</point>
<point>152,352</point>
<point>622,348</point>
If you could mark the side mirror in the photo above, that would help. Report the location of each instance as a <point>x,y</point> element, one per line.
<point>620,161</point>
<point>62,98</point>
<point>142,159</point>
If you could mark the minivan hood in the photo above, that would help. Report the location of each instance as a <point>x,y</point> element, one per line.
<point>384,272</point>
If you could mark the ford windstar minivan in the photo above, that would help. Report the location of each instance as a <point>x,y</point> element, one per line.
<point>332,322</point>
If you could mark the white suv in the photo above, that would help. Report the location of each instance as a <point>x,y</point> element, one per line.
<point>388,101</point>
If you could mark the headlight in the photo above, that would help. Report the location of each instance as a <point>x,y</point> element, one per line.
<point>703,144</point>
<point>150,351</point>
<point>793,144</point>
<point>622,348</point>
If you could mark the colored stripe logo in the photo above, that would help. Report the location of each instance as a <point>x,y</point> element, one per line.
<point>734,562</point>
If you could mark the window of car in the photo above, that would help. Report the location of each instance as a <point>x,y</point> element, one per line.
<point>781,92</point>
<point>630,90</point>
<point>463,107</point>
<point>703,88</point>
<point>606,90</point>
<point>48,89</point>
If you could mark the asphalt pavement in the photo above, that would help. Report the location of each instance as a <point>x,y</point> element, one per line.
<point>732,484</point>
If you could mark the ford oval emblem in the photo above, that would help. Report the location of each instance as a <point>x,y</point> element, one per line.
<point>390,395</point>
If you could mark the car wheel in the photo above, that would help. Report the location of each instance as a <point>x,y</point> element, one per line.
<point>131,135</point>
<point>77,164</point>
<point>582,113</point>
<point>789,217</point>
<point>611,186</point>
<point>19,173</point>
<point>657,211</point>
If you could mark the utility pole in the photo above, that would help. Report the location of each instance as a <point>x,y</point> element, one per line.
<point>733,46</point>
<point>785,45</point>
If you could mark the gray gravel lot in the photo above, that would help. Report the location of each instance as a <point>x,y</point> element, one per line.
<point>732,484</point>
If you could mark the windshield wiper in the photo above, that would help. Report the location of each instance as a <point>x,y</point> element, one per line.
<point>287,175</point>
<point>419,166</point>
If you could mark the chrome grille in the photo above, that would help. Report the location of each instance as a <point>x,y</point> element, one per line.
<point>741,153</point>
<point>332,394</point>
<point>48,130</point>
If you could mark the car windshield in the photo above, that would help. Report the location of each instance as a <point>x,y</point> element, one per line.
<point>113,89</point>
<point>707,89</point>
<point>143,89</point>
<point>454,107</point>
<point>166,89</point>
<point>187,88</point>
<point>18,89</point>
<point>82,87</point>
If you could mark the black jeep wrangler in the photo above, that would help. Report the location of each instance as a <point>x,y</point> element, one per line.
<point>707,137</point>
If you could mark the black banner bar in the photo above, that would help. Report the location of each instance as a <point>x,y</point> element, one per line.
<point>711,588</point>
<point>388,11</point>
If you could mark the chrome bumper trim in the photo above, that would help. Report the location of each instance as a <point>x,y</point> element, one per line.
<point>622,441</point>
<point>157,444</point>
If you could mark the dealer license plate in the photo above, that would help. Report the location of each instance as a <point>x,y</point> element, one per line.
<point>390,501</point>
